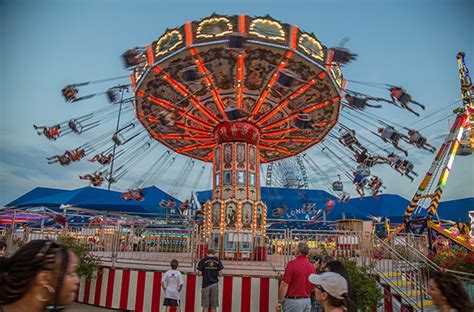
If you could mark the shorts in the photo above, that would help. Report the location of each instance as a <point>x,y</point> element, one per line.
<point>394,136</point>
<point>421,142</point>
<point>405,98</point>
<point>170,302</point>
<point>210,296</point>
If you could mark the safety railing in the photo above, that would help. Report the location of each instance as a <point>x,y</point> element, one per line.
<point>414,248</point>
<point>21,236</point>
<point>259,256</point>
<point>99,240</point>
<point>405,279</point>
<point>348,244</point>
<point>155,247</point>
<point>123,245</point>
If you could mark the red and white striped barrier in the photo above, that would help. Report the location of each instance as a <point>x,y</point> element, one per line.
<point>141,291</point>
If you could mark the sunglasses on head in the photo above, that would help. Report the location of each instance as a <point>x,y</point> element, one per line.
<point>44,250</point>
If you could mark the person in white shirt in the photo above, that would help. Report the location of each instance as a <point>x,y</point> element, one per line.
<point>136,243</point>
<point>172,283</point>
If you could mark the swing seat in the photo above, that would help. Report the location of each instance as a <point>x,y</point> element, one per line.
<point>342,55</point>
<point>337,186</point>
<point>363,170</point>
<point>235,113</point>
<point>118,139</point>
<point>190,75</point>
<point>358,102</point>
<point>421,141</point>
<point>303,121</point>
<point>75,126</point>
<point>112,95</point>
<point>406,166</point>
<point>131,58</point>
<point>344,197</point>
<point>285,80</point>
<point>348,138</point>
<point>404,98</point>
<point>69,93</point>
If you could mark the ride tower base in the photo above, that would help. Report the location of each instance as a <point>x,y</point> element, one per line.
<point>235,219</point>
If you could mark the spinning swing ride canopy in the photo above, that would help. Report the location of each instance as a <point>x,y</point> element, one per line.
<point>271,77</point>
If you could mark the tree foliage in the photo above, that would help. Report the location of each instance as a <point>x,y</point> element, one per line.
<point>368,293</point>
<point>88,263</point>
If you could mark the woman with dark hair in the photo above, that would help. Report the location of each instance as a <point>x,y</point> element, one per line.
<point>448,293</point>
<point>332,291</point>
<point>324,261</point>
<point>40,276</point>
<point>339,268</point>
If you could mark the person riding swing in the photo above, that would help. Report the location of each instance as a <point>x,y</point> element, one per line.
<point>401,98</point>
<point>415,138</point>
<point>96,179</point>
<point>389,134</point>
<point>52,133</point>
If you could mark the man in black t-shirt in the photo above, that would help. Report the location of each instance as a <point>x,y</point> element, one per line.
<point>210,268</point>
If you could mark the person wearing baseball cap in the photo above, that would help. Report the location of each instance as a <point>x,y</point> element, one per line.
<point>331,290</point>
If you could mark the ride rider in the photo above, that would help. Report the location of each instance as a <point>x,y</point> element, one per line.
<point>401,97</point>
<point>52,133</point>
<point>419,141</point>
<point>389,134</point>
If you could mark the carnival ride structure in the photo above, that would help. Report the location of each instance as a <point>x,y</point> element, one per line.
<point>459,142</point>
<point>242,93</point>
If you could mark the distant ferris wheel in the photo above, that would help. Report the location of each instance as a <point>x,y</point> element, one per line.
<point>287,173</point>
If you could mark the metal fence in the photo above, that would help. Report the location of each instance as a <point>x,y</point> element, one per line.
<point>154,248</point>
<point>414,248</point>
<point>403,277</point>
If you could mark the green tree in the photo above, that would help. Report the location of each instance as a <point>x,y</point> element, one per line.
<point>88,263</point>
<point>368,293</point>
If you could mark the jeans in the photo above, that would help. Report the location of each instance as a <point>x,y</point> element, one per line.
<point>297,305</point>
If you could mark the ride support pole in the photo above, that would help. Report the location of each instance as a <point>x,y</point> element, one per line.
<point>459,123</point>
<point>115,144</point>
<point>429,175</point>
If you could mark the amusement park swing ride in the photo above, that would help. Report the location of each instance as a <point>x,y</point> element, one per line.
<point>239,92</point>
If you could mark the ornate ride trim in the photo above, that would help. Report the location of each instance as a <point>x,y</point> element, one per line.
<point>213,21</point>
<point>259,25</point>
<point>164,38</point>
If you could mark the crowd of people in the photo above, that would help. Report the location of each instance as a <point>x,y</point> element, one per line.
<point>41,276</point>
<point>325,286</point>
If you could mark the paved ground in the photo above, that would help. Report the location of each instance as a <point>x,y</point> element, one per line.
<point>78,307</point>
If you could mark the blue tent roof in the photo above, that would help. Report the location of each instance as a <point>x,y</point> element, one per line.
<point>299,204</point>
<point>386,205</point>
<point>154,201</point>
<point>100,199</point>
<point>35,193</point>
<point>52,200</point>
<point>456,210</point>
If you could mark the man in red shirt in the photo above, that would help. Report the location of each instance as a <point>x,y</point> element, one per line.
<point>295,290</point>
